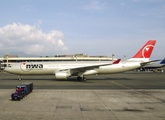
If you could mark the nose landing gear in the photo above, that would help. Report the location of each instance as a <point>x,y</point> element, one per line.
<point>19,77</point>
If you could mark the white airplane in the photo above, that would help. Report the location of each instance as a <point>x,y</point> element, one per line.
<point>66,69</point>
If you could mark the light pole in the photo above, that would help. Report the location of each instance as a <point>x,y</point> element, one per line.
<point>113,56</point>
<point>7,56</point>
<point>124,57</point>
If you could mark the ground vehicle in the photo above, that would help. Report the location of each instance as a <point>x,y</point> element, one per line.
<point>25,87</point>
<point>18,95</point>
<point>22,90</point>
<point>29,87</point>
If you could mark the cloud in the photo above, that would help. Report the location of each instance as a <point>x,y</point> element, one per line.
<point>94,5</point>
<point>31,40</point>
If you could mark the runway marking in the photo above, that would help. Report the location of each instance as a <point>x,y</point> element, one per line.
<point>121,85</point>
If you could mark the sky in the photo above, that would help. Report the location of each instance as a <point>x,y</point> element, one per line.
<point>92,27</point>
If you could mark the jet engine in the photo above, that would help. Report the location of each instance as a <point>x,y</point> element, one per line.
<point>61,75</point>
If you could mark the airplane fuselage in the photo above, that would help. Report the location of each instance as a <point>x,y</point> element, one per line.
<point>49,68</point>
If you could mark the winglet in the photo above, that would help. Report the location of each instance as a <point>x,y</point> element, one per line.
<point>117,61</point>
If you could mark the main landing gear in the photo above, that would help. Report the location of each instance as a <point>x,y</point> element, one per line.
<point>81,79</point>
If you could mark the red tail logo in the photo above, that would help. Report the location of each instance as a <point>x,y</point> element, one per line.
<point>146,50</point>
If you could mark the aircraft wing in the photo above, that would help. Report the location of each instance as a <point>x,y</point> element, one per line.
<point>148,62</point>
<point>84,68</point>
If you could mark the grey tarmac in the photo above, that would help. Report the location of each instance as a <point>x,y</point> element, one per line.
<point>125,96</point>
<point>128,80</point>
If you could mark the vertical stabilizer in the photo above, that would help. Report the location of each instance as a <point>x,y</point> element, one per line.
<point>145,52</point>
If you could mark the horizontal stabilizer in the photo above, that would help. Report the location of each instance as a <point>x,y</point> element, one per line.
<point>148,62</point>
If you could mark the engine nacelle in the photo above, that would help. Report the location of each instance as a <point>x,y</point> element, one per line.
<point>61,75</point>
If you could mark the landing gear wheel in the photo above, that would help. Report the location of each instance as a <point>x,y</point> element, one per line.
<point>79,78</point>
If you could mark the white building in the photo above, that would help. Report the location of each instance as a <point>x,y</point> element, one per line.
<point>9,59</point>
